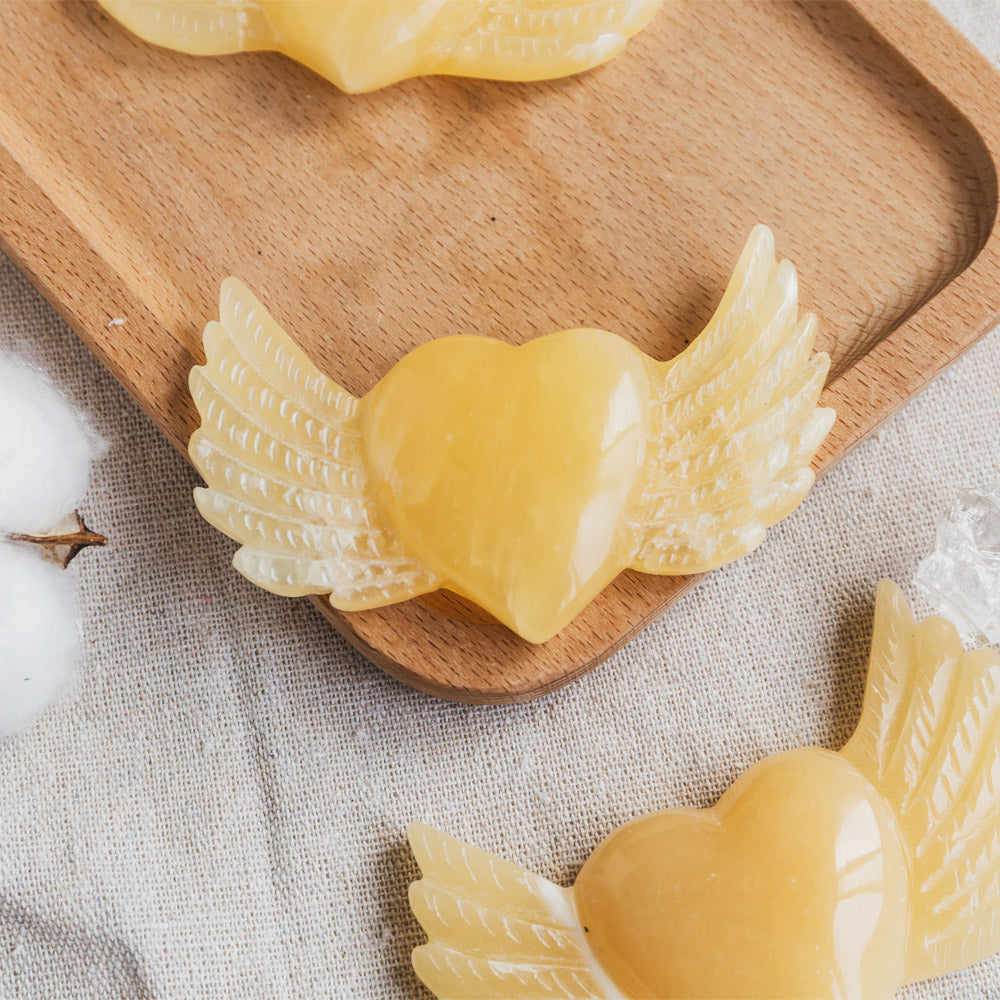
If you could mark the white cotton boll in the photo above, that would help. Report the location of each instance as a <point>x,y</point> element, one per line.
<point>39,636</point>
<point>46,449</point>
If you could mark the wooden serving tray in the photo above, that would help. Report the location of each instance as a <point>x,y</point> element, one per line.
<point>134,179</point>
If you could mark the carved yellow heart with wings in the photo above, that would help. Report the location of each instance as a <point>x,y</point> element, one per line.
<point>362,45</point>
<point>524,478</point>
<point>817,874</point>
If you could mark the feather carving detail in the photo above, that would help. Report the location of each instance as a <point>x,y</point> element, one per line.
<point>524,479</point>
<point>362,45</point>
<point>817,874</point>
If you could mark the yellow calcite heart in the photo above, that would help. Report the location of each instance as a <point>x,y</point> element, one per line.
<point>817,876</point>
<point>523,478</point>
<point>534,538</point>
<point>802,854</point>
<point>362,45</point>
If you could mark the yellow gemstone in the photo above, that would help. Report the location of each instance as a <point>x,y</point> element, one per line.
<point>794,885</point>
<point>549,439</point>
<point>817,876</point>
<point>523,478</point>
<point>361,45</point>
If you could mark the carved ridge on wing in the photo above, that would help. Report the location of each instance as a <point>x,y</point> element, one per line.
<point>198,27</point>
<point>929,740</point>
<point>491,922</point>
<point>280,448</point>
<point>530,38</point>
<point>735,424</point>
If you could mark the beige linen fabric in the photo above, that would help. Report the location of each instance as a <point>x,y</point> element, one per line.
<point>219,811</point>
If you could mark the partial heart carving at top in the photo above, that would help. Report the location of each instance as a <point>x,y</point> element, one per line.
<point>362,45</point>
<point>524,479</point>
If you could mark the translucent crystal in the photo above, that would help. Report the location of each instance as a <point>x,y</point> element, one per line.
<point>362,45</point>
<point>817,874</point>
<point>525,478</point>
<point>962,574</point>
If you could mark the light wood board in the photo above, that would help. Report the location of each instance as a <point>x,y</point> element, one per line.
<point>134,179</point>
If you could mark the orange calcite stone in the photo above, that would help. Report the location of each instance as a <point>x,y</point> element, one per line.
<point>523,478</point>
<point>817,875</point>
<point>362,45</point>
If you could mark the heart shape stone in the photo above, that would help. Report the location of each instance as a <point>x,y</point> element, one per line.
<point>793,885</point>
<point>506,470</point>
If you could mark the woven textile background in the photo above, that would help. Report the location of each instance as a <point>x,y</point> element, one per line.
<point>219,811</point>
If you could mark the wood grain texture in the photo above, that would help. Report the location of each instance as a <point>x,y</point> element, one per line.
<point>133,179</point>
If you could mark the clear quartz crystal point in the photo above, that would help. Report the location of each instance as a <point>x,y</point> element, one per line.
<point>962,574</point>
